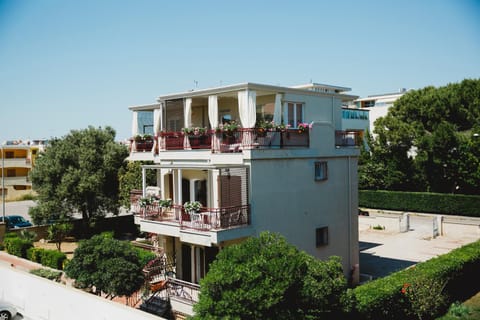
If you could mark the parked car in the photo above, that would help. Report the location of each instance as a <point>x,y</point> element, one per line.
<point>7,311</point>
<point>15,222</point>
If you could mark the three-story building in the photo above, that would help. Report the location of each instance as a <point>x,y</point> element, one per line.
<point>254,157</point>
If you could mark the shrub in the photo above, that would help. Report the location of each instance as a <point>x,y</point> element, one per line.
<point>144,256</point>
<point>53,259</point>
<point>47,273</point>
<point>49,258</point>
<point>17,246</point>
<point>421,202</point>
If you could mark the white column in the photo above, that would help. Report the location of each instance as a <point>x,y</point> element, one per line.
<point>277,113</point>
<point>179,186</point>
<point>144,182</point>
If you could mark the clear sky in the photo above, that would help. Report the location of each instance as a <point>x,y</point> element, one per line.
<point>69,64</point>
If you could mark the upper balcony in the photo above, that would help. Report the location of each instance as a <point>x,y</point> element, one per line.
<point>242,139</point>
<point>202,120</point>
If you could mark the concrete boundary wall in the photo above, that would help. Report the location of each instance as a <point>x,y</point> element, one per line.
<point>42,299</point>
<point>441,225</point>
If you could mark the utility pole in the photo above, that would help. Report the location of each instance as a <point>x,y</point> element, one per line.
<point>3,182</point>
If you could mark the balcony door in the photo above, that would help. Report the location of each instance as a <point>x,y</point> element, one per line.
<point>194,190</point>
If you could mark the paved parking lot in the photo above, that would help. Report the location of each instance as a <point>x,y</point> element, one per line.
<point>385,251</point>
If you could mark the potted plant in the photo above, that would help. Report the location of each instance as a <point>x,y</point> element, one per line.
<point>192,207</point>
<point>303,126</point>
<point>166,203</point>
<point>145,201</point>
<point>262,127</point>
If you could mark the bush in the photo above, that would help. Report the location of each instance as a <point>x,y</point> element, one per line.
<point>451,277</point>
<point>47,273</point>
<point>49,258</point>
<point>455,204</point>
<point>145,256</point>
<point>17,246</point>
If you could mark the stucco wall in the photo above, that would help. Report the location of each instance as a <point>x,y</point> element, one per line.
<point>285,198</point>
<point>39,298</point>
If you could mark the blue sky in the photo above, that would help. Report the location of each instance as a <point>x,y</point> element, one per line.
<point>69,64</point>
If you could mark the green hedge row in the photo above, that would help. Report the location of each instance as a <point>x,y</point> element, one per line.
<point>462,205</point>
<point>17,246</point>
<point>49,258</point>
<point>434,285</point>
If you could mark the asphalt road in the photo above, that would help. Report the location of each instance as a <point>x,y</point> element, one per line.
<point>19,208</point>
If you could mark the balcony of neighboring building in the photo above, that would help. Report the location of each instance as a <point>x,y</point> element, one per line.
<point>16,163</point>
<point>221,195</point>
<point>16,176</point>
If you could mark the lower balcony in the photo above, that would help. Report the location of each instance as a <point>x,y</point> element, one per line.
<point>206,219</point>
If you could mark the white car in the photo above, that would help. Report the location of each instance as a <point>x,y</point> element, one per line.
<point>7,311</point>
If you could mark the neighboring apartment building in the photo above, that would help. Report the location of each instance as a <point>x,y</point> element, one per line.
<point>378,105</point>
<point>297,178</point>
<point>16,161</point>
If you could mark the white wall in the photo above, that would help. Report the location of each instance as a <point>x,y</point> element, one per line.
<point>285,198</point>
<point>39,298</point>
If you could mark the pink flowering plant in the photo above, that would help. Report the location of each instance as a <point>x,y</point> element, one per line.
<point>302,126</point>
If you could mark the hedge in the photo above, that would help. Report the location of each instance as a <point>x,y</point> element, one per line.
<point>49,258</point>
<point>457,271</point>
<point>450,204</point>
<point>17,246</point>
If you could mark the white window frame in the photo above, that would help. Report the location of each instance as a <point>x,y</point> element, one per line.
<point>295,117</point>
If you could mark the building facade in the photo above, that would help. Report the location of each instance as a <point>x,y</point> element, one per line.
<point>237,160</point>
<point>16,161</point>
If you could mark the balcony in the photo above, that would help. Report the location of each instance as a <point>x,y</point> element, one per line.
<point>351,138</point>
<point>20,181</point>
<point>16,163</point>
<point>226,142</point>
<point>207,219</point>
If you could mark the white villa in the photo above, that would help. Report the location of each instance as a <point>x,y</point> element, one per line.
<point>255,157</point>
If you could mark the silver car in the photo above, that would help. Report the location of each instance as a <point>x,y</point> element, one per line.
<point>7,311</point>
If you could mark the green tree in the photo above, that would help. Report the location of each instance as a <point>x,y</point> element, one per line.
<point>58,231</point>
<point>427,142</point>
<point>78,173</point>
<point>131,178</point>
<point>112,266</point>
<point>267,278</point>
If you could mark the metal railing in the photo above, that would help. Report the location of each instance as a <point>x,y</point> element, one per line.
<point>183,290</point>
<point>205,220</point>
<point>216,218</point>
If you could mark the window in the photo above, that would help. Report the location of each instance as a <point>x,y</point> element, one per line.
<point>294,113</point>
<point>265,112</point>
<point>321,171</point>
<point>145,122</point>
<point>321,235</point>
